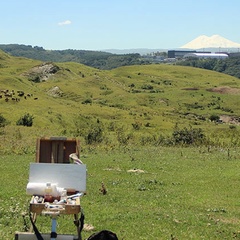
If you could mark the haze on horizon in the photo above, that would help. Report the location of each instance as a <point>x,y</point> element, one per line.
<point>125,24</point>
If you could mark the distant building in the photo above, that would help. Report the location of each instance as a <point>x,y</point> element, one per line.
<point>206,55</point>
<point>178,54</point>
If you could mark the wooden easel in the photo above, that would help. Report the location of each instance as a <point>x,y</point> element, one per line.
<point>52,165</point>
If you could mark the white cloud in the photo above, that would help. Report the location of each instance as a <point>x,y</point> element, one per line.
<point>67,22</point>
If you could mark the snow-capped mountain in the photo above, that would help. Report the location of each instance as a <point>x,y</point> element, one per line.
<point>214,41</point>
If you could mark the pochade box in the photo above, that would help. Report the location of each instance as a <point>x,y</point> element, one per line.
<point>53,167</point>
<point>61,177</point>
<point>63,208</point>
<point>68,178</point>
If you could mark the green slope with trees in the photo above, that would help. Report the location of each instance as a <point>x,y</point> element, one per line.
<point>96,59</point>
<point>107,61</point>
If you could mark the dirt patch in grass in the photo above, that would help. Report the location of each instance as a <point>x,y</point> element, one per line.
<point>230,119</point>
<point>135,171</point>
<point>113,169</point>
<point>55,92</point>
<point>227,220</point>
<point>225,90</point>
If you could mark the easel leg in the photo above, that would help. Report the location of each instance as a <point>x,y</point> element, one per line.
<point>54,228</point>
<point>77,224</point>
<point>34,218</point>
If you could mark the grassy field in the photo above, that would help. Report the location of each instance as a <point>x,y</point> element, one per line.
<point>181,193</point>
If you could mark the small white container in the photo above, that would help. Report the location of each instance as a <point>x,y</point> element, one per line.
<point>64,194</point>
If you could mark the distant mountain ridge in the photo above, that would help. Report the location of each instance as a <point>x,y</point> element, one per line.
<point>215,41</point>
<point>142,51</point>
<point>96,59</point>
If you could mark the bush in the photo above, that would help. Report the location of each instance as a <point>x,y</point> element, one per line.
<point>87,101</point>
<point>188,136</point>
<point>95,134</point>
<point>214,118</point>
<point>147,87</point>
<point>136,125</point>
<point>35,78</point>
<point>26,120</point>
<point>3,121</point>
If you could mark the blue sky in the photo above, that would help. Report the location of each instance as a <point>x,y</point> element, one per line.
<point>116,24</point>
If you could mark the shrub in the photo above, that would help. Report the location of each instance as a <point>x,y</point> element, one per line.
<point>188,136</point>
<point>3,121</point>
<point>144,140</point>
<point>25,120</point>
<point>122,136</point>
<point>214,118</point>
<point>87,101</point>
<point>147,87</point>
<point>95,134</point>
<point>35,78</point>
<point>136,125</point>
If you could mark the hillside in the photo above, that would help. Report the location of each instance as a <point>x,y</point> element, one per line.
<point>96,59</point>
<point>129,105</point>
<point>106,61</point>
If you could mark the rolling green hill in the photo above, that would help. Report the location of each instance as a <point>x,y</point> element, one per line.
<point>140,104</point>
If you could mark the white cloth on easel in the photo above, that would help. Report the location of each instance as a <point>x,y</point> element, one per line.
<point>39,189</point>
<point>74,159</point>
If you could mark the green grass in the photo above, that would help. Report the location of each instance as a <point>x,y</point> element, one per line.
<point>189,193</point>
